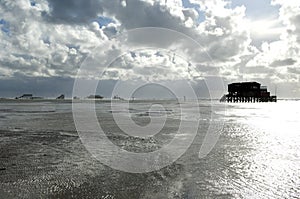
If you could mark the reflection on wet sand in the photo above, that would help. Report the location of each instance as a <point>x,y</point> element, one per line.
<point>42,156</point>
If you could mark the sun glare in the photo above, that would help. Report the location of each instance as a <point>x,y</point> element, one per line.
<point>265,28</point>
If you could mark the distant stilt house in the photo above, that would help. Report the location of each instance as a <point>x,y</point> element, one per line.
<point>28,97</point>
<point>248,92</point>
<point>25,96</point>
<point>116,97</point>
<point>61,97</point>
<point>95,97</point>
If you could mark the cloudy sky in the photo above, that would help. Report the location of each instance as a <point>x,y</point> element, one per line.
<point>44,43</point>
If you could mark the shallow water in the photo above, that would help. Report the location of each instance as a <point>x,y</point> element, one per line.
<point>256,156</point>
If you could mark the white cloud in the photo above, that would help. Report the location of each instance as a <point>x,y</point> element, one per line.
<point>150,65</point>
<point>280,55</point>
<point>49,33</point>
<point>52,38</point>
<point>57,48</point>
<point>268,29</point>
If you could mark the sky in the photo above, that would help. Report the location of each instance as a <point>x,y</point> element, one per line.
<point>44,44</point>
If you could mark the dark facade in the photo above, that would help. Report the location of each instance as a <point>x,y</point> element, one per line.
<point>248,92</point>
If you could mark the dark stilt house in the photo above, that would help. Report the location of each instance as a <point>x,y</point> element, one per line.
<point>248,92</point>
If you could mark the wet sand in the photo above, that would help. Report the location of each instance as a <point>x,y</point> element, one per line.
<point>41,156</point>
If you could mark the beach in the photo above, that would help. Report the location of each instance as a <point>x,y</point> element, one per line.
<point>256,154</point>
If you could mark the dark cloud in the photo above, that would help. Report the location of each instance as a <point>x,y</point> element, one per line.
<point>294,70</point>
<point>51,87</point>
<point>208,69</point>
<point>74,11</point>
<point>38,86</point>
<point>296,22</point>
<point>258,70</point>
<point>52,38</point>
<point>46,86</point>
<point>285,62</point>
<point>138,14</point>
<point>135,14</point>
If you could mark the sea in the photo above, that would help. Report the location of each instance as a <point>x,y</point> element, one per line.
<point>251,151</point>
